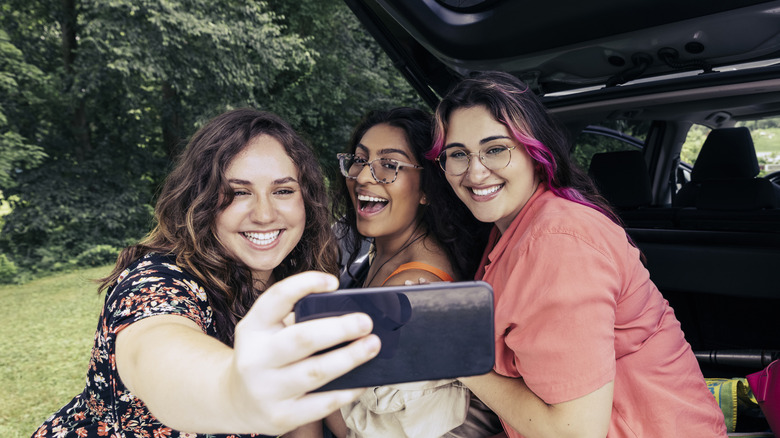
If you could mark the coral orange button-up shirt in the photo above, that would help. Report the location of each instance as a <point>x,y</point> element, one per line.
<point>575,309</point>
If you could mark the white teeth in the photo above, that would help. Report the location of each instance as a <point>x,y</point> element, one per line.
<point>483,192</point>
<point>365,198</point>
<point>262,238</point>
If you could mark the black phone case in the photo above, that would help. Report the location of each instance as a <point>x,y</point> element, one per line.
<point>428,332</point>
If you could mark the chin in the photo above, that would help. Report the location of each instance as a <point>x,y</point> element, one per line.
<point>486,218</point>
<point>265,266</point>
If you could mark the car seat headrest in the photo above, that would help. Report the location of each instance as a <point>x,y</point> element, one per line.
<point>727,153</point>
<point>622,178</point>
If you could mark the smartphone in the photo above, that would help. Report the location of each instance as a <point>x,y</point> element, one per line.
<point>428,332</point>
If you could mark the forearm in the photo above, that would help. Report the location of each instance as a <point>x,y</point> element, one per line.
<point>186,383</point>
<point>517,405</point>
<point>511,400</point>
<point>264,384</point>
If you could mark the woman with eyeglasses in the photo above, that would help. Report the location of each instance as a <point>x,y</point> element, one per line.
<point>586,345</point>
<point>399,201</point>
<point>395,198</point>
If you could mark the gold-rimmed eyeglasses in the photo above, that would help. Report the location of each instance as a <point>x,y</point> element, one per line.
<point>456,160</point>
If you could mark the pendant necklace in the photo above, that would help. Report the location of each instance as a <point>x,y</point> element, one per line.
<point>406,245</point>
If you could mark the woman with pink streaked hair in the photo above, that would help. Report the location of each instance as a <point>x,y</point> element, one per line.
<point>586,345</point>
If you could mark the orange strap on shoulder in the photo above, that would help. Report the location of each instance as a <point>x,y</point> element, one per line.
<point>443,276</point>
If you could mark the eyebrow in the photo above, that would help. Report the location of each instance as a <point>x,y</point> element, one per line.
<point>285,180</point>
<point>481,142</point>
<point>385,151</point>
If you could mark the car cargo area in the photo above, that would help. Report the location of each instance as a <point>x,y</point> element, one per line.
<point>674,110</point>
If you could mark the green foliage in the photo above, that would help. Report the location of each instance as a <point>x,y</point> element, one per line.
<point>351,76</point>
<point>8,270</point>
<point>16,152</point>
<point>588,144</point>
<point>99,96</point>
<point>98,255</point>
<point>199,56</point>
<point>761,124</point>
<point>693,142</point>
<point>66,210</point>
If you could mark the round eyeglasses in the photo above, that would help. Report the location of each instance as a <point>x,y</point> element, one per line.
<point>456,161</point>
<point>384,170</point>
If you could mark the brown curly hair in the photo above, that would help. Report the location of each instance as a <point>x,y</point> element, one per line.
<point>188,205</point>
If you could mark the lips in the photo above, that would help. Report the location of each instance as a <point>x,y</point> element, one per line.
<point>262,239</point>
<point>371,204</point>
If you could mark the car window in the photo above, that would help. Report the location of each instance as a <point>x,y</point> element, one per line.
<point>690,150</point>
<point>766,139</point>
<point>608,136</point>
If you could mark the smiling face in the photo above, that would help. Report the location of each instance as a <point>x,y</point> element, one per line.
<point>267,217</point>
<point>386,211</point>
<point>495,196</point>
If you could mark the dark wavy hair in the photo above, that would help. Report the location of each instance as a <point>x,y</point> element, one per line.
<point>188,205</point>
<point>514,105</point>
<point>444,216</point>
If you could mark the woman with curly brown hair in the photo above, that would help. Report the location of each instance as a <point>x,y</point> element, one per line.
<point>192,336</point>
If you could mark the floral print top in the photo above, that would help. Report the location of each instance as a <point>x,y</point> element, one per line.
<point>151,286</point>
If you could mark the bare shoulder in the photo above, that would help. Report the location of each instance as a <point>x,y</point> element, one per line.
<point>414,276</point>
<point>431,252</point>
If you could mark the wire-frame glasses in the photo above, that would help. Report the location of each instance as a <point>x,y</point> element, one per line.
<point>456,161</point>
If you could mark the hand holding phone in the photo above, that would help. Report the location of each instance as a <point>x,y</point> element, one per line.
<point>428,332</point>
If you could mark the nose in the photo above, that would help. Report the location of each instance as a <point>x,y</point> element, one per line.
<point>263,210</point>
<point>365,176</point>
<point>477,171</point>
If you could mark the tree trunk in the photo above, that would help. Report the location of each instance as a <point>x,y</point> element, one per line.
<point>78,122</point>
<point>172,121</point>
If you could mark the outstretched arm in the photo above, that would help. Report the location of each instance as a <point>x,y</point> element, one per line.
<point>192,382</point>
<point>510,399</point>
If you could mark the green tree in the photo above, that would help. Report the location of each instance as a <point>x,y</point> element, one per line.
<point>16,151</point>
<point>131,81</point>
<point>199,56</point>
<point>123,83</point>
<point>351,76</point>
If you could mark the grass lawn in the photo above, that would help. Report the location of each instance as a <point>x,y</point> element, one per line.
<point>46,333</point>
<point>767,140</point>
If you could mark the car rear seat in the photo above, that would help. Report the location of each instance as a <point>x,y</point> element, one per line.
<point>623,179</point>
<point>724,193</point>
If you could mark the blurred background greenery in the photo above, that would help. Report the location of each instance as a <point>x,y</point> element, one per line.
<point>97,97</point>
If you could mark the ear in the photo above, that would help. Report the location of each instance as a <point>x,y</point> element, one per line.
<point>423,200</point>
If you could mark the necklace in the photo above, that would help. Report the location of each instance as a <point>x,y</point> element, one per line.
<point>406,245</point>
